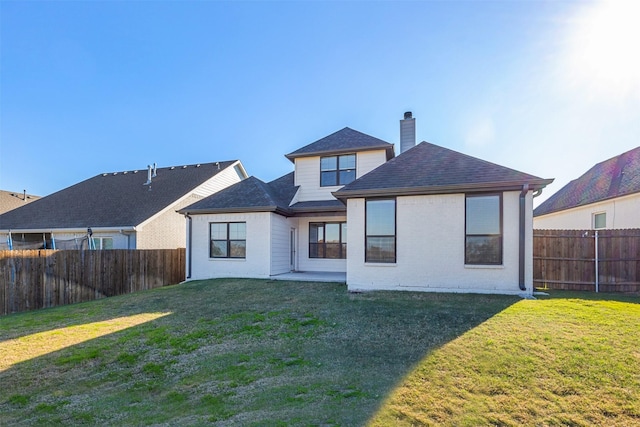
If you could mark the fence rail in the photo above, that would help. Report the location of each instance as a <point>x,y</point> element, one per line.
<point>586,260</point>
<point>33,279</point>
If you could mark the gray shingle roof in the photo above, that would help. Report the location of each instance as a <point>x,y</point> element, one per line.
<point>616,177</point>
<point>431,169</point>
<point>10,200</point>
<point>250,195</point>
<point>342,141</point>
<point>111,200</point>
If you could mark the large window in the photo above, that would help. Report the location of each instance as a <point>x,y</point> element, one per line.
<point>483,241</point>
<point>328,240</point>
<point>337,170</point>
<point>102,242</point>
<point>380,231</point>
<point>228,240</point>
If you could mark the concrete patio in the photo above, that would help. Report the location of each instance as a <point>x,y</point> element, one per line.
<point>312,276</point>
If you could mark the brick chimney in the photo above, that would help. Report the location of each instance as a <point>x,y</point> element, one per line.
<point>407,132</point>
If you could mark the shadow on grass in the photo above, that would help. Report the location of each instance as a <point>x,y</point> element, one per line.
<point>246,352</point>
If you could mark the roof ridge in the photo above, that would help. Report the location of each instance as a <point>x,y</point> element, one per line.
<point>183,166</point>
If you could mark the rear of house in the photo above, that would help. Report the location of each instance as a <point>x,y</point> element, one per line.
<point>430,219</point>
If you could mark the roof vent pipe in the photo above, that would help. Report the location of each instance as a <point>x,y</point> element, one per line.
<point>407,132</point>
<point>24,194</point>
<point>155,170</point>
<point>148,175</point>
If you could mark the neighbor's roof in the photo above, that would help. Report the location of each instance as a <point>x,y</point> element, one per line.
<point>343,141</point>
<point>10,200</point>
<point>431,169</point>
<point>616,177</point>
<point>117,199</point>
<point>250,195</point>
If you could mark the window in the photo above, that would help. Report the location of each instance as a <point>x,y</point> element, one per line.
<point>380,217</point>
<point>337,170</point>
<point>328,240</point>
<point>483,240</point>
<point>102,242</point>
<point>228,240</point>
<point>600,220</point>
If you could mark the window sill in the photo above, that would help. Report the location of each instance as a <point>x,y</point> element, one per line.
<point>380,264</point>
<point>485,266</point>
<point>228,259</point>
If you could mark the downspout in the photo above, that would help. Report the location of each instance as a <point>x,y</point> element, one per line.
<point>189,234</point>
<point>521,248</point>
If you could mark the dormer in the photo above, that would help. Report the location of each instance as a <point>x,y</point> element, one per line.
<point>324,166</point>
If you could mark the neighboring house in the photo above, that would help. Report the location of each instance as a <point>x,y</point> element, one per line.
<point>606,196</point>
<point>431,219</point>
<point>10,200</point>
<point>123,210</point>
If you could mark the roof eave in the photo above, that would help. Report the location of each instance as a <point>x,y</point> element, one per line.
<point>205,211</point>
<point>321,209</point>
<point>387,147</point>
<point>123,229</point>
<point>443,189</point>
<point>580,205</point>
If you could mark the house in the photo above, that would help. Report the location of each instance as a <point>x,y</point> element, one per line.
<point>606,196</point>
<point>10,200</point>
<point>118,210</point>
<point>430,219</point>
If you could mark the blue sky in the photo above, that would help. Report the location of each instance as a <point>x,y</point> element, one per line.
<point>86,87</point>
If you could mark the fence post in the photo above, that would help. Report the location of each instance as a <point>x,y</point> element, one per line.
<point>597,275</point>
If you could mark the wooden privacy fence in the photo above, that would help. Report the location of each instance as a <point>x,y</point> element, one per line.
<point>34,279</point>
<point>586,260</point>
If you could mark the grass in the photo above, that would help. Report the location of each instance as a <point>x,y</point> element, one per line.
<point>253,352</point>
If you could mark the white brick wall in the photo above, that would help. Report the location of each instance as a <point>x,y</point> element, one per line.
<point>257,263</point>
<point>430,249</point>
<point>165,231</point>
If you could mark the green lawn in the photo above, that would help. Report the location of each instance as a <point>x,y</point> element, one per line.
<point>253,352</point>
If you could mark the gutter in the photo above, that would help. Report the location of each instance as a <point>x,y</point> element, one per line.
<point>189,246</point>
<point>69,230</point>
<point>521,240</point>
<point>440,189</point>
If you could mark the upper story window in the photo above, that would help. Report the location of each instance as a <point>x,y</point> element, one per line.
<point>599,221</point>
<point>228,239</point>
<point>483,240</point>
<point>380,217</point>
<point>337,170</point>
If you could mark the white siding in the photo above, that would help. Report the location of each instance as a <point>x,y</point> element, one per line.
<point>280,244</point>
<point>430,249</point>
<point>369,160</point>
<point>317,264</point>
<point>307,174</point>
<point>622,212</point>
<point>258,257</point>
<point>221,180</point>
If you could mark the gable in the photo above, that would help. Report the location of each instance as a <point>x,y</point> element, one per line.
<point>343,141</point>
<point>616,177</point>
